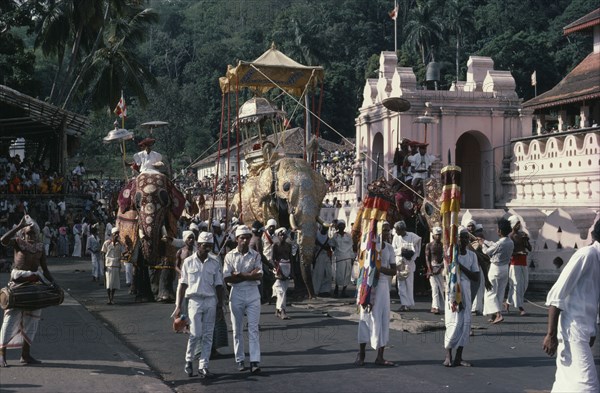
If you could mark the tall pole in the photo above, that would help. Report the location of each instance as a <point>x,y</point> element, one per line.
<point>396,28</point>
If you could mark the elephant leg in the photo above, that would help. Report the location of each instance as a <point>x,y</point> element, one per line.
<point>141,278</point>
<point>155,280</point>
<point>165,287</point>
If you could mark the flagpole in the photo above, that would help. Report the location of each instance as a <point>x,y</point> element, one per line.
<point>123,141</point>
<point>396,28</point>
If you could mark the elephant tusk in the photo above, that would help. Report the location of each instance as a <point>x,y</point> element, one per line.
<point>293,222</point>
<point>320,220</point>
<point>141,233</point>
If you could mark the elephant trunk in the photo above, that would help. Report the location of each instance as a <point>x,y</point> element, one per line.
<point>307,243</point>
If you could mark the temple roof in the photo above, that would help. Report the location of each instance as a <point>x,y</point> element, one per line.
<point>583,23</point>
<point>582,83</point>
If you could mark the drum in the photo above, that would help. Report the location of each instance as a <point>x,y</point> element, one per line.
<point>30,296</point>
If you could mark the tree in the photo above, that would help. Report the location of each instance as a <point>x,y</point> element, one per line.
<point>102,36</point>
<point>424,28</point>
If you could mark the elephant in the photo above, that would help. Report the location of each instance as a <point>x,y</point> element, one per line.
<point>290,191</point>
<point>149,207</point>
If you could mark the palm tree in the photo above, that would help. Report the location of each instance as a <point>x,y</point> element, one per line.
<point>423,28</point>
<point>114,65</point>
<point>459,14</point>
<point>82,25</point>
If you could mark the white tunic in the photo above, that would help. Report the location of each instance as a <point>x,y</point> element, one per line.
<point>577,294</point>
<point>147,160</point>
<point>458,323</point>
<point>374,326</point>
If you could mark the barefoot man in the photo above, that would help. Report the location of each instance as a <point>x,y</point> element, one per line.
<point>458,322</point>
<point>19,325</point>
<point>374,320</point>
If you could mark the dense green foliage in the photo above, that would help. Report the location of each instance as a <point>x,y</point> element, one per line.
<point>167,55</point>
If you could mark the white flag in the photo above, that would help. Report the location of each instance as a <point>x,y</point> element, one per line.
<point>534,78</point>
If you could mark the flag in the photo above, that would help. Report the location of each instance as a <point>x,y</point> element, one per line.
<point>121,109</point>
<point>394,13</point>
<point>369,259</point>
<point>534,78</point>
<point>449,210</point>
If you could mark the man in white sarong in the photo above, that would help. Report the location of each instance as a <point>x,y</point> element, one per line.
<point>321,274</point>
<point>19,326</point>
<point>374,324</point>
<point>341,243</point>
<point>518,272</point>
<point>499,253</point>
<point>458,322</point>
<point>112,250</point>
<point>572,330</point>
<point>434,258</point>
<point>407,247</point>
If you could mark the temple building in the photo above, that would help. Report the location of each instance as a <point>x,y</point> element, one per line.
<point>538,159</point>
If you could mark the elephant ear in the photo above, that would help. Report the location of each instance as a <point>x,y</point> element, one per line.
<point>128,231</point>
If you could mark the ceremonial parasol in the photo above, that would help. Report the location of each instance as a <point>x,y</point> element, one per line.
<point>396,104</point>
<point>154,124</point>
<point>426,119</point>
<point>119,135</point>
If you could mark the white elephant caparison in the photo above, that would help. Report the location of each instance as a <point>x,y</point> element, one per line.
<point>290,191</point>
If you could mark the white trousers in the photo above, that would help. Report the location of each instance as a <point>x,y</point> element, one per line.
<point>321,274</point>
<point>280,290</point>
<point>97,266</point>
<point>245,300</point>
<point>46,249</point>
<point>202,313</point>
<point>575,368</point>
<point>128,272</point>
<point>406,287</point>
<point>518,280</point>
<point>479,296</point>
<point>437,291</point>
<point>343,270</point>
<point>498,276</point>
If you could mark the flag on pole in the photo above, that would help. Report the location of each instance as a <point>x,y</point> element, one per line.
<point>534,78</point>
<point>394,13</point>
<point>369,259</point>
<point>449,210</point>
<point>121,109</point>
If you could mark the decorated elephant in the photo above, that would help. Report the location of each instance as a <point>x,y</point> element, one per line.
<point>290,191</point>
<point>149,207</point>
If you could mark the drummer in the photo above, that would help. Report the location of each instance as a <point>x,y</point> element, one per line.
<point>19,325</point>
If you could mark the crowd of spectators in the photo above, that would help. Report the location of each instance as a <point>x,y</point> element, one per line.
<point>189,184</point>
<point>336,169</point>
<point>19,176</point>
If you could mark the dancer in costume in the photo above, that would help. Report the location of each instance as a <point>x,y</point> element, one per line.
<point>20,326</point>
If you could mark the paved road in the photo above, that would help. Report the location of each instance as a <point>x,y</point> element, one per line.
<point>312,352</point>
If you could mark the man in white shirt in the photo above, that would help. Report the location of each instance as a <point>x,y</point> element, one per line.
<point>341,243</point>
<point>201,283</point>
<point>407,247</point>
<point>243,271</point>
<point>573,308</point>
<point>500,253</point>
<point>420,164</point>
<point>147,161</point>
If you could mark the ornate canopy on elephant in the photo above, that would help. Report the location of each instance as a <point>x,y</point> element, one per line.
<point>269,70</point>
